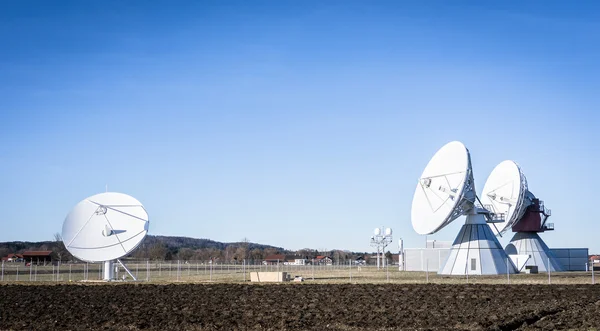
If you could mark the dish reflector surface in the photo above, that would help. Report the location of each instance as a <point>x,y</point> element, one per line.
<point>505,191</point>
<point>440,189</point>
<point>105,227</point>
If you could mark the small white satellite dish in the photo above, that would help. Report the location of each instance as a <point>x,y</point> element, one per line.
<point>388,231</point>
<point>445,192</point>
<point>104,228</point>
<point>505,193</point>
<point>377,231</point>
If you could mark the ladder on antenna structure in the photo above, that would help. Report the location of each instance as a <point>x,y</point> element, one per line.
<point>545,213</point>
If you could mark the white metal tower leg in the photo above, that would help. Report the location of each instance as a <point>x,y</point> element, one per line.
<point>109,270</point>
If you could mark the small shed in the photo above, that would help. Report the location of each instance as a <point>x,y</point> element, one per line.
<point>38,257</point>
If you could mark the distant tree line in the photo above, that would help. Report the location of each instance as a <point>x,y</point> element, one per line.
<point>189,249</point>
<point>59,251</point>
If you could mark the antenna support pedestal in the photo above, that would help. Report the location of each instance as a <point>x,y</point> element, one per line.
<point>109,271</point>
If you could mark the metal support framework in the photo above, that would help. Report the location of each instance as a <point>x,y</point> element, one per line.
<point>126,269</point>
<point>381,239</point>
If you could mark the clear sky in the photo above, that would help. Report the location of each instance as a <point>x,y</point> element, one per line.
<point>293,123</point>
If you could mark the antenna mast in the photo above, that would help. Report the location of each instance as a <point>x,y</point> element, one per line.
<point>381,239</point>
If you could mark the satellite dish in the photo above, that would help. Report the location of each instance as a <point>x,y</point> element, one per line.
<point>388,232</point>
<point>505,193</point>
<point>445,192</point>
<point>377,231</point>
<point>104,228</point>
<point>442,189</point>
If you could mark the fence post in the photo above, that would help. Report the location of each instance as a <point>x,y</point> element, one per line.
<point>2,271</point>
<point>387,272</point>
<point>507,272</point>
<point>147,270</point>
<point>593,280</point>
<point>70,272</point>
<point>427,271</point>
<point>548,270</point>
<point>17,273</point>
<point>313,269</point>
<point>350,265</point>
<point>30,271</point>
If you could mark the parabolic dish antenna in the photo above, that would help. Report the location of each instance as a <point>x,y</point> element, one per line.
<point>441,189</point>
<point>505,193</point>
<point>105,227</point>
<point>446,191</point>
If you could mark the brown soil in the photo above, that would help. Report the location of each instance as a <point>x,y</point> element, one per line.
<point>299,307</point>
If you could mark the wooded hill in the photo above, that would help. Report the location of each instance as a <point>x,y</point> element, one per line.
<point>184,248</point>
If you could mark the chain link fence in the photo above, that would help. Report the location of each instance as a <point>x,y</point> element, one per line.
<point>205,271</point>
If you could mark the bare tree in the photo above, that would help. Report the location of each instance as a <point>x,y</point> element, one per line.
<point>60,250</point>
<point>307,253</point>
<point>229,253</point>
<point>158,251</point>
<point>242,251</point>
<point>185,254</point>
<point>256,255</point>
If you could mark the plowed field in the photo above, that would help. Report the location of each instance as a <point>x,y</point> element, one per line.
<point>299,307</point>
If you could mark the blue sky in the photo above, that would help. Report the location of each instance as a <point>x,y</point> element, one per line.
<point>296,124</point>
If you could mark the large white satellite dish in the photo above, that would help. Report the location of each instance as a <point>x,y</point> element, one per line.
<point>104,228</point>
<point>506,192</point>
<point>445,192</point>
<point>441,189</point>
